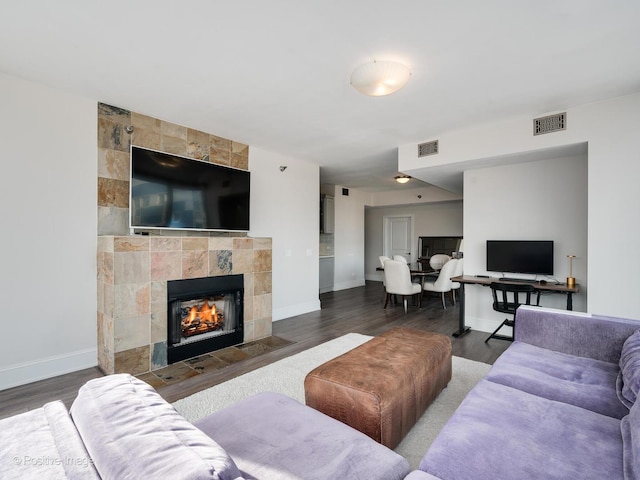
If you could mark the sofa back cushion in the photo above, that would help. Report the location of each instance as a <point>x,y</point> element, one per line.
<point>628,384</point>
<point>131,432</point>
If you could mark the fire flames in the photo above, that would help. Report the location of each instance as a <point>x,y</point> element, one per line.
<point>201,320</point>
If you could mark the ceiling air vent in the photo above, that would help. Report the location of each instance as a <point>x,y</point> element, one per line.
<point>428,148</point>
<point>550,123</point>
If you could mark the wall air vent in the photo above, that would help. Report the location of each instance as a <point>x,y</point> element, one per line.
<point>427,148</point>
<point>550,123</point>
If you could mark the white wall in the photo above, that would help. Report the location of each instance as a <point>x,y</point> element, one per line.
<point>542,200</point>
<point>48,243</point>
<point>434,219</point>
<point>284,206</point>
<point>349,238</point>
<point>610,128</point>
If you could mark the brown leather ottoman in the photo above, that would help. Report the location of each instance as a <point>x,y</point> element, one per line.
<point>385,385</point>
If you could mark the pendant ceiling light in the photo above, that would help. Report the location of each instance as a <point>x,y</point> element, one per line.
<point>380,78</point>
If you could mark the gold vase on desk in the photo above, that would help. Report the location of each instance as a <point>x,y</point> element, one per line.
<point>571,281</point>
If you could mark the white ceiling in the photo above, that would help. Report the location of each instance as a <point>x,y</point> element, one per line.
<point>275,74</point>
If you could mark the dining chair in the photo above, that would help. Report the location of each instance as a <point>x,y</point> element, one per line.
<point>443,283</point>
<point>438,260</point>
<point>397,279</point>
<point>400,258</point>
<point>455,286</point>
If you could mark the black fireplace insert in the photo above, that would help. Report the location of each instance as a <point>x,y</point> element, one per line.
<point>204,315</point>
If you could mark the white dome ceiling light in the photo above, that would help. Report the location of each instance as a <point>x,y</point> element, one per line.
<point>380,78</point>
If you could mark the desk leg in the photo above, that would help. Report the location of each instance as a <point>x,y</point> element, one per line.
<point>569,301</point>
<point>462,329</point>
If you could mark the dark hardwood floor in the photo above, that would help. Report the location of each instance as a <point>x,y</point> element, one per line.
<point>358,310</point>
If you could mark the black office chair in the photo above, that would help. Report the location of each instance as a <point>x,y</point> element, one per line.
<point>502,303</point>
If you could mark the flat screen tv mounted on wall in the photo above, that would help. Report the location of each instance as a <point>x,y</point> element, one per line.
<point>176,193</point>
<point>520,256</point>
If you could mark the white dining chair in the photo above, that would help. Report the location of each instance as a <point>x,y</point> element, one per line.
<point>398,282</point>
<point>443,283</point>
<point>455,286</point>
<point>438,260</point>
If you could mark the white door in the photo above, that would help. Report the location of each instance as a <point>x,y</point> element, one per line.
<point>398,236</point>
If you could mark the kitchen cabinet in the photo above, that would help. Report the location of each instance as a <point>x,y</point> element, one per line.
<point>326,274</point>
<point>327,212</point>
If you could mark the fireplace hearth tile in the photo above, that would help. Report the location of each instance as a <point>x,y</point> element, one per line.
<point>264,345</point>
<point>175,373</point>
<point>206,363</point>
<point>152,380</point>
<point>230,355</point>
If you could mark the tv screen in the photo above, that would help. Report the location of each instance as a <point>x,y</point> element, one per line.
<point>520,256</point>
<point>173,192</point>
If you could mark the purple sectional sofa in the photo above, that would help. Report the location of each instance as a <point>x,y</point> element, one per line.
<point>120,428</point>
<point>559,403</point>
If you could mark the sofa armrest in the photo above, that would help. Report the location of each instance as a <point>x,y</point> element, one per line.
<point>575,333</point>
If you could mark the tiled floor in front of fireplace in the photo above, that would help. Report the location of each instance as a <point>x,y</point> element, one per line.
<point>180,371</point>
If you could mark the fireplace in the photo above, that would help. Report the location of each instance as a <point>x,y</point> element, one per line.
<point>203,315</point>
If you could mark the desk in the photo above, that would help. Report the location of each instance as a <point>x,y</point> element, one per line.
<point>486,281</point>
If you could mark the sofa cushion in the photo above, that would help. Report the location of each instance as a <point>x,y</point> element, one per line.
<point>273,437</point>
<point>499,432</point>
<point>580,381</point>
<point>629,380</point>
<point>43,443</point>
<point>131,432</point>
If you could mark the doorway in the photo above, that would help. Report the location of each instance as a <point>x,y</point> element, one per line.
<point>398,235</point>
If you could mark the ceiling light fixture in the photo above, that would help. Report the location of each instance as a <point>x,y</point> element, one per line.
<point>380,78</point>
<point>402,178</point>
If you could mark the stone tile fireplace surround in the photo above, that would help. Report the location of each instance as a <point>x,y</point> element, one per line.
<point>132,291</point>
<point>133,270</point>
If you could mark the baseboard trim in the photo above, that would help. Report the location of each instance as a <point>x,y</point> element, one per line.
<point>293,310</point>
<point>347,285</point>
<point>28,372</point>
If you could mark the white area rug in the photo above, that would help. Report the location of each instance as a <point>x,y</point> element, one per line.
<point>287,377</point>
